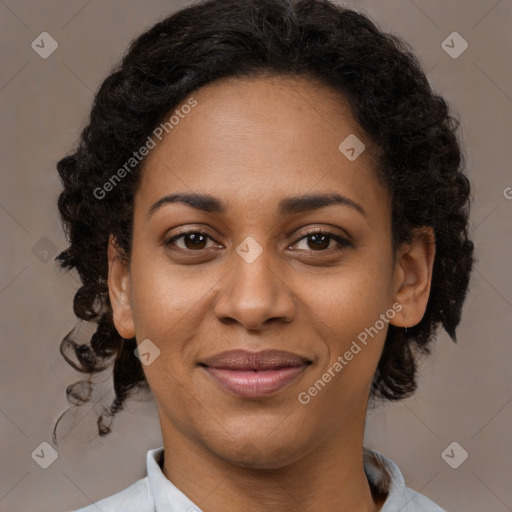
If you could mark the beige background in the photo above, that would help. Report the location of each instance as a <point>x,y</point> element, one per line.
<point>465,389</point>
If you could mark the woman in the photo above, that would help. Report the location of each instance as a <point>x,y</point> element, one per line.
<point>269,217</point>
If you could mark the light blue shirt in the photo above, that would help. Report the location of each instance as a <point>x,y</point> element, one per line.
<point>155,493</point>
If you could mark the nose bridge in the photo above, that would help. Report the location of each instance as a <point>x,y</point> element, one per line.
<point>254,292</point>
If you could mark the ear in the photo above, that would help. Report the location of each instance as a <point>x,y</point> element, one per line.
<point>413,277</point>
<point>119,290</point>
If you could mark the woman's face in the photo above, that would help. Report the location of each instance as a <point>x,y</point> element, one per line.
<point>257,279</point>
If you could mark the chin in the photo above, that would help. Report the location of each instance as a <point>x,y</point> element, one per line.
<point>258,451</point>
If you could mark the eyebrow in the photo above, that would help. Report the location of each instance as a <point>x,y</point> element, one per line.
<point>287,206</point>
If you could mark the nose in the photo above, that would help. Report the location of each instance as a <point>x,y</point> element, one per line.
<point>255,293</point>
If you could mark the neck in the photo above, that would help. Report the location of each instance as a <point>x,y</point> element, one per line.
<point>330,477</point>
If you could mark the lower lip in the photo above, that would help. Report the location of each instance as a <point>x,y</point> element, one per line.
<point>247,383</point>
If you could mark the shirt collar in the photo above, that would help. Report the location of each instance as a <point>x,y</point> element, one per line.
<point>385,476</point>
<point>167,497</point>
<point>382,473</point>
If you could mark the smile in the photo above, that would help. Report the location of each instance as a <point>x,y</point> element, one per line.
<point>252,375</point>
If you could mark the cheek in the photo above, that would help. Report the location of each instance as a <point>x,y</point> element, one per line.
<point>350,299</point>
<point>351,334</point>
<point>169,307</point>
<point>162,295</point>
<point>351,314</point>
<point>164,307</point>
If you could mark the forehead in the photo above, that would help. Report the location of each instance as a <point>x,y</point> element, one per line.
<point>252,140</point>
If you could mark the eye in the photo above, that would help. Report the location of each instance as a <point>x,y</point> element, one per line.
<point>193,240</point>
<point>321,240</point>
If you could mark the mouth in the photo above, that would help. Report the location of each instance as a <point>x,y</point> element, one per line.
<point>254,374</point>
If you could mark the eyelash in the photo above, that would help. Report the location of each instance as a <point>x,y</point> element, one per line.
<point>343,242</point>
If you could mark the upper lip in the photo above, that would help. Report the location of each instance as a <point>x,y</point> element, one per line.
<point>264,360</point>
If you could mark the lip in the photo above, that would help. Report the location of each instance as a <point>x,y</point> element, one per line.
<point>255,374</point>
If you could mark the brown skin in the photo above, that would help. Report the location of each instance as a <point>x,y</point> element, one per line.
<point>251,144</point>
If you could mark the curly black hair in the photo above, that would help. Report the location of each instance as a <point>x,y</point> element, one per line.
<point>420,160</point>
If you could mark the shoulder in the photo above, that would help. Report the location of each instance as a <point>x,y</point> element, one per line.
<point>385,478</point>
<point>135,498</point>
<point>417,502</point>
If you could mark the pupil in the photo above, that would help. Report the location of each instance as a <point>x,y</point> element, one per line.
<point>195,238</point>
<point>319,238</point>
